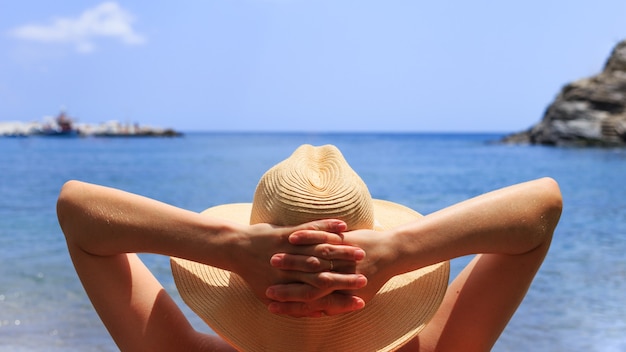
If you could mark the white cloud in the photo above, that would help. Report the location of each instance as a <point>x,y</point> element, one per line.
<point>105,20</point>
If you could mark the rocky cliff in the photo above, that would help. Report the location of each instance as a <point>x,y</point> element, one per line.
<point>587,112</point>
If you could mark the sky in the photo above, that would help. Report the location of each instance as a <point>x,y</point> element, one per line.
<point>301,65</point>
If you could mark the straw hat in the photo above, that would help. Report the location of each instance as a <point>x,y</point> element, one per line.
<point>313,183</point>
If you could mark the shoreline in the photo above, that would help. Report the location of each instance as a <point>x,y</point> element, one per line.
<point>62,127</point>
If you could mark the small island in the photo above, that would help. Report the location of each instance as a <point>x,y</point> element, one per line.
<point>65,126</point>
<point>587,112</point>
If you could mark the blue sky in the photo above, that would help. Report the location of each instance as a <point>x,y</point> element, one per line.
<point>296,65</point>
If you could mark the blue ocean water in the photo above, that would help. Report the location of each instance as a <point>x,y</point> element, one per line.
<point>577,302</point>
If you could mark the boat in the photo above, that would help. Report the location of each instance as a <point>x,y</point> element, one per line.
<point>62,126</point>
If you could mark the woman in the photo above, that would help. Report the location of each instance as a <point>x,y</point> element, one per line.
<point>320,269</point>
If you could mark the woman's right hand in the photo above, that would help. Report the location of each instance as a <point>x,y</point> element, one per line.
<point>313,288</point>
<point>375,268</point>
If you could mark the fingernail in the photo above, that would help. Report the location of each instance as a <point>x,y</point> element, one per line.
<point>270,292</point>
<point>276,260</point>
<point>358,303</point>
<point>359,254</point>
<point>361,281</point>
<point>273,308</point>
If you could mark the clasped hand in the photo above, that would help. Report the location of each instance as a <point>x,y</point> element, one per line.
<point>301,271</point>
<point>311,269</point>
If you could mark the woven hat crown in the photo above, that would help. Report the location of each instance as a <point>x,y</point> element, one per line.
<point>314,183</point>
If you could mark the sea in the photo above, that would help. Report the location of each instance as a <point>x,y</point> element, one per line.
<point>577,301</point>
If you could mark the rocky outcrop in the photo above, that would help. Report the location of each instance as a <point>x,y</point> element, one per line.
<point>587,112</point>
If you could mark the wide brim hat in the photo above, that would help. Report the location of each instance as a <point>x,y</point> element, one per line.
<point>396,314</point>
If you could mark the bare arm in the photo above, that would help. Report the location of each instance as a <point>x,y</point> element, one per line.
<point>510,229</point>
<point>104,227</point>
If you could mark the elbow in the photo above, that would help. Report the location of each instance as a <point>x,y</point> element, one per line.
<point>551,207</point>
<point>65,204</point>
<point>553,200</point>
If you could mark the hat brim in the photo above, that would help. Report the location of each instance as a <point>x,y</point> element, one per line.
<point>398,312</point>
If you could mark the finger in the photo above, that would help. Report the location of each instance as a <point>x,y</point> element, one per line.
<point>315,286</point>
<point>294,292</point>
<point>308,237</point>
<point>311,264</point>
<point>295,262</point>
<point>327,225</point>
<point>336,252</point>
<point>313,259</point>
<point>333,304</point>
<point>327,252</point>
<point>320,231</point>
<point>333,281</point>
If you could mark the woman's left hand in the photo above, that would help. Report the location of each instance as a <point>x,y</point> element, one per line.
<point>373,268</point>
<point>316,282</point>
